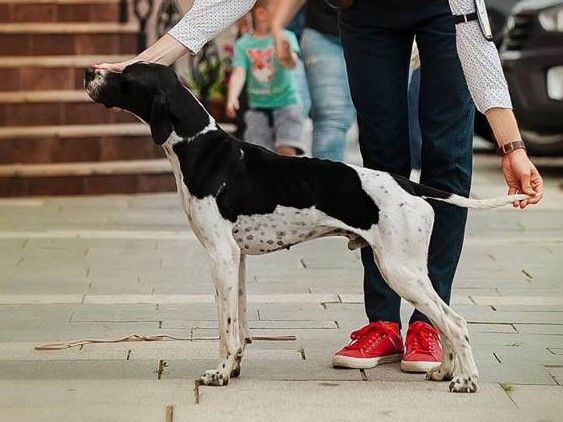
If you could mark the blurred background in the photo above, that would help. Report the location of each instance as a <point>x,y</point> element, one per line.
<point>55,141</point>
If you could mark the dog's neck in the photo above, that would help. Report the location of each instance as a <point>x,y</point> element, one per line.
<point>176,138</point>
<point>192,141</point>
<point>191,119</point>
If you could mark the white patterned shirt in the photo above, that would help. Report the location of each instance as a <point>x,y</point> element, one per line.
<point>479,58</point>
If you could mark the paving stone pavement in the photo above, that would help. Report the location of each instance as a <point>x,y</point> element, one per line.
<point>106,267</point>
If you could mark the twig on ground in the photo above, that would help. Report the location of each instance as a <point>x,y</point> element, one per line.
<point>197,383</point>
<point>169,413</point>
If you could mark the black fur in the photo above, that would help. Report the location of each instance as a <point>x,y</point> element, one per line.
<point>247,179</point>
<point>161,125</point>
<point>417,189</point>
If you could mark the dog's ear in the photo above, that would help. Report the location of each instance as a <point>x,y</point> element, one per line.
<point>161,125</point>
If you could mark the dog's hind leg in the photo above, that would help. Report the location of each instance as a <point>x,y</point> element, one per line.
<point>225,257</point>
<point>457,349</point>
<point>244,329</point>
<point>445,371</point>
<point>400,249</point>
<point>415,287</point>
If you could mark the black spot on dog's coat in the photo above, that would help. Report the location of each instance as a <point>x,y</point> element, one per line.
<point>263,180</point>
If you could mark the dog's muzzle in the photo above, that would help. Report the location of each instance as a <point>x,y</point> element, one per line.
<point>94,79</point>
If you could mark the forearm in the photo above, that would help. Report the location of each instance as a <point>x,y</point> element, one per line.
<point>165,51</point>
<point>504,125</point>
<point>284,11</point>
<point>206,19</point>
<point>236,82</point>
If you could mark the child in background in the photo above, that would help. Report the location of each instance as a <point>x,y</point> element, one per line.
<point>275,117</point>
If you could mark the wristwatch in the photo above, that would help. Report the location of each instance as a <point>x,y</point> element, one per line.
<point>511,146</point>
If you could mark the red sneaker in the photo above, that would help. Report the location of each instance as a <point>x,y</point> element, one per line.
<point>377,342</point>
<point>423,349</point>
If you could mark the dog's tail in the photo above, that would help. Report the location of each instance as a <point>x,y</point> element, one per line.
<point>428,192</point>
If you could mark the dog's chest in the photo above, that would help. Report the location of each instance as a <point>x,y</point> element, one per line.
<point>262,233</point>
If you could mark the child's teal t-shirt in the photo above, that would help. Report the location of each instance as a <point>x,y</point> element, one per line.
<point>268,83</point>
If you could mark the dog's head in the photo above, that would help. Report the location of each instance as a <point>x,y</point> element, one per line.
<point>154,94</point>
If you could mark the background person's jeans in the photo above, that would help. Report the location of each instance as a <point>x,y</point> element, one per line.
<point>331,106</point>
<point>377,38</point>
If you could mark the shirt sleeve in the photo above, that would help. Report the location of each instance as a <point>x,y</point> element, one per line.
<point>239,58</point>
<point>206,19</point>
<point>480,61</point>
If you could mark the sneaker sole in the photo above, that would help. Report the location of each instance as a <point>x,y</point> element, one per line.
<point>339,361</point>
<point>418,366</point>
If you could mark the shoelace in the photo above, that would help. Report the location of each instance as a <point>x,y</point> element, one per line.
<point>366,337</point>
<point>423,341</point>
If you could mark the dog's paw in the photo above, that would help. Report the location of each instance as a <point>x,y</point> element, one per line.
<point>439,374</point>
<point>235,372</point>
<point>213,378</point>
<point>463,384</point>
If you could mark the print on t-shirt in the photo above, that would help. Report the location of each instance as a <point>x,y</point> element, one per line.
<point>262,62</point>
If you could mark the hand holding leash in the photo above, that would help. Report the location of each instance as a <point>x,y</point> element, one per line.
<point>522,176</point>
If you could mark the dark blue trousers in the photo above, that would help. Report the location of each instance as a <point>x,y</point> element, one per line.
<point>377,37</point>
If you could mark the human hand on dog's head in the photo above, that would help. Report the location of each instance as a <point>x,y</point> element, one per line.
<point>114,67</point>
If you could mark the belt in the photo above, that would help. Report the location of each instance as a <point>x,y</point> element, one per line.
<point>465,18</point>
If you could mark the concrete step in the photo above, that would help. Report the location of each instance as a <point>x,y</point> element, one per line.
<point>154,166</point>
<point>51,108</point>
<point>134,176</point>
<point>40,39</point>
<point>77,143</point>
<point>33,73</point>
<point>48,11</point>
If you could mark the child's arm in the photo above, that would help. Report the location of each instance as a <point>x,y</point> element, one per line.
<point>289,55</point>
<point>236,84</point>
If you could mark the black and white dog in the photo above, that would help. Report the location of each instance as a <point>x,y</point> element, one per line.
<point>241,200</point>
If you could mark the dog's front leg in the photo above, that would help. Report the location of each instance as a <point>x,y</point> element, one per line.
<point>245,337</point>
<point>225,261</point>
<point>244,330</point>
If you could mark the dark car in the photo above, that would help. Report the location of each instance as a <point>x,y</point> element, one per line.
<point>532,59</point>
<point>499,11</point>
